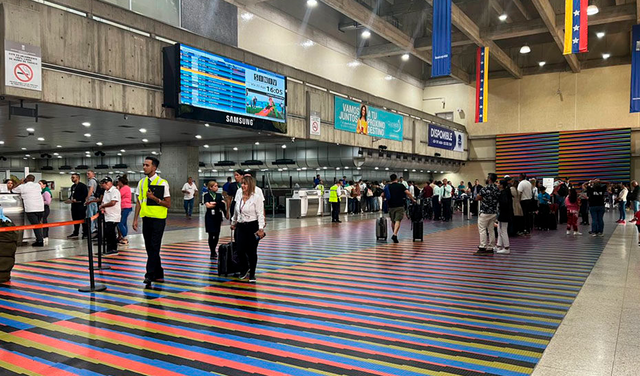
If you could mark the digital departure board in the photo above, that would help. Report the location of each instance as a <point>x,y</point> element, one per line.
<point>205,86</point>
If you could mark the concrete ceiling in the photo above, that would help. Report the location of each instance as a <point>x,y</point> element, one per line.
<point>538,23</point>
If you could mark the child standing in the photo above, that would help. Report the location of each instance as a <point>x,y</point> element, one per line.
<point>572,204</point>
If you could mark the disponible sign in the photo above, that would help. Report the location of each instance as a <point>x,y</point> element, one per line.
<point>443,138</point>
<point>22,66</point>
<point>356,117</point>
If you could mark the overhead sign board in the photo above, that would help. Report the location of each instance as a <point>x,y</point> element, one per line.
<point>359,118</point>
<point>22,66</point>
<point>444,138</point>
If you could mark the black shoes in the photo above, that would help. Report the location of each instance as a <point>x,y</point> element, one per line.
<point>147,281</point>
<point>110,253</point>
<point>73,236</point>
<point>395,239</point>
<point>38,244</point>
<point>483,252</point>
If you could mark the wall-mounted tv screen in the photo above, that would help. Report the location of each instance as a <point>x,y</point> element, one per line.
<point>204,86</point>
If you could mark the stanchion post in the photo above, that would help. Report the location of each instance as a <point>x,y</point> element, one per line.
<point>92,281</point>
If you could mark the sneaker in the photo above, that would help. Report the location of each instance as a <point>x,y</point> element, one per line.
<point>123,241</point>
<point>252,280</point>
<point>245,277</point>
<point>74,236</point>
<point>46,241</point>
<point>395,239</point>
<point>568,232</point>
<point>504,251</point>
<point>577,233</point>
<point>593,234</point>
<point>601,235</point>
<point>623,222</point>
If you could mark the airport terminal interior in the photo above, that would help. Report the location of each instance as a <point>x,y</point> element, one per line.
<point>320,187</point>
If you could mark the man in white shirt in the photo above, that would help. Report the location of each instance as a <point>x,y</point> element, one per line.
<point>110,206</point>
<point>31,194</point>
<point>435,199</point>
<point>526,201</point>
<point>447,194</point>
<point>190,191</point>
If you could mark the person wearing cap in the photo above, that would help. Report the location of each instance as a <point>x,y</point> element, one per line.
<point>110,207</point>
<point>153,210</point>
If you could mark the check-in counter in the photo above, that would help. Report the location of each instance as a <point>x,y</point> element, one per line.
<point>13,208</point>
<point>310,202</point>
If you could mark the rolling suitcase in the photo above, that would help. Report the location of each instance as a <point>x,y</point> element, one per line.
<point>381,228</point>
<point>418,230</point>
<point>228,260</point>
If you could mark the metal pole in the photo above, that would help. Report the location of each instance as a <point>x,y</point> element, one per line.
<point>92,282</point>
<point>101,242</point>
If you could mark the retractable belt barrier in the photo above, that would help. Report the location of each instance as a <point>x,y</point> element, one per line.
<point>92,283</point>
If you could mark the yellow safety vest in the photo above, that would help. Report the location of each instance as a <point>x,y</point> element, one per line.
<point>333,194</point>
<point>159,211</point>
<point>320,187</point>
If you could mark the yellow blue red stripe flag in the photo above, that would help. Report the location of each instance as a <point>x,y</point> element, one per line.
<point>575,26</point>
<point>482,84</point>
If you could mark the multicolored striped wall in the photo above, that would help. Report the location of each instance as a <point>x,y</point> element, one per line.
<point>579,155</point>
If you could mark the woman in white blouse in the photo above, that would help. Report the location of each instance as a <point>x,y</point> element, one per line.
<point>248,221</point>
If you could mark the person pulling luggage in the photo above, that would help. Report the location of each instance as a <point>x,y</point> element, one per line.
<point>396,200</point>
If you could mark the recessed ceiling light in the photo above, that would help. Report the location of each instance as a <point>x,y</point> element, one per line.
<point>358,168</point>
<point>376,168</point>
<point>600,34</point>
<point>592,9</point>
<point>40,138</point>
<point>206,125</point>
<point>307,43</point>
<point>198,136</point>
<point>206,146</point>
<point>388,77</point>
<point>405,57</point>
<point>606,56</point>
<point>246,16</point>
<point>257,143</point>
<point>23,148</point>
<point>24,158</point>
<point>353,64</point>
<point>86,124</point>
<point>27,155</point>
<point>122,151</point>
<point>59,156</point>
<point>154,152</point>
<point>30,130</point>
<point>442,172</point>
<point>56,154</point>
<point>386,168</point>
<point>502,17</point>
<point>542,63</point>
<point>324,168</point>
<point>145,140</point>
<point>1,142</point>
<point>525,49</point>
<point>143,130</point>
<point>99,143</point>
<point>284,146</point>
<point>58,146</point>
<point>119,154</point>
<point>87,134</point>
<point>414,170</point>
<point>235,149</point>
<point>312,3</point>
<point>366,34</point>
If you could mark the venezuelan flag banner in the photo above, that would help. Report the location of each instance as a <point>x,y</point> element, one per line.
<point>575,26</point>
<point>482,84</point>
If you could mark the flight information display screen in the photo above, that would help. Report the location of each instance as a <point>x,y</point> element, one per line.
<point>217,83</point>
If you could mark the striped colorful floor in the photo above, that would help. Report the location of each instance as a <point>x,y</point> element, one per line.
<point>329,301</point>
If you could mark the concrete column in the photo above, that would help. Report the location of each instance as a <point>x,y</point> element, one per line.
<point>177,164</point>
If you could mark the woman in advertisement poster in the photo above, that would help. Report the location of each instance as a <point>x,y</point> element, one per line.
<point>362,127</point>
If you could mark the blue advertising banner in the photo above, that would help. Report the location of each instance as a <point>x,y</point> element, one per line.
<point>635,70</point>
<point>355,117</point>
<point>441,38</point>
<point>448,139</point>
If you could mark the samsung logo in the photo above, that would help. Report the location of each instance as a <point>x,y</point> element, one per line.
<point>239,120</point>
<point>265,79</point>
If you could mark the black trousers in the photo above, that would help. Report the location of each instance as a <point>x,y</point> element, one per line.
<point>446,208</point>
<point>78,212</point>
<point>110,235</point>
<point>527,209</point>
<point>436,207</point>
<point>47,210</point>
<point>213,242</point>
<point>335,211</point>
<point>248,246</point>
<point>36,219</point>
<point>152,231</point>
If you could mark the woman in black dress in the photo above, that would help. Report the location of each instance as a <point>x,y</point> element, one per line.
<point>215,206</point>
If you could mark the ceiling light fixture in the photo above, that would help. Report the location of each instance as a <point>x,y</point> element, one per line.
<point>525,49</point>
<point>592,9</point>
<point>353,64</point>
<point>284,146</point>
<point>40,138</point>
<point>247,16</point>
<point>312,3</point>
<point>502,17</point>
<point>87,134</point>
<point>119,154</point>
<point>99,143</point>
<point>145,140</point>
<point>58,146</point>
<point>206,125</point>
<point>56,154</point>
<point>235,149</point>
<point>307,43</point>
<point>257,143</point>
<point>405,57</point>
<point>198,136</point>
<point>600,34</point>
<point>366,34</point>
<point>86,124</point>
<point>206,146</point>
<point>59,156</point>
<point>606,56</point>
<point>1,142</point>
<point>388,77</point>
<point>122,151</point>
<point>542,63</point>
<point>30,130</point>
<point>143,130</point>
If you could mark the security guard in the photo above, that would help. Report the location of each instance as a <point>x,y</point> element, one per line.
<point>153,210</point>
<point>334,199</point>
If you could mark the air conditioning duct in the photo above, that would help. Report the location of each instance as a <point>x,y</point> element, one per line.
<point>120,165</point>
<point>284,161</point>
<point>102,167</point>
<point>201,164</point>
<point>82,167</point>
<point>46,168</point>
<point>252,162</point>
<point>65,168</point>
<point>225,164</point>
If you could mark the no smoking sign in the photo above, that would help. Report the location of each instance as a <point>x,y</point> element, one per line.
<point>23,72</point>
<point>23,66</point>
